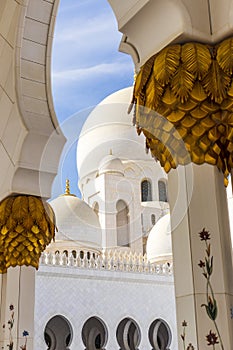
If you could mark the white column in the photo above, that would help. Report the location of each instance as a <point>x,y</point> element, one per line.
<point>198,200</point>
<point>18,290</point>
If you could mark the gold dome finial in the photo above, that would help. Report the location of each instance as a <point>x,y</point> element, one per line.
<point>67,191</point>
<point>67,187</point>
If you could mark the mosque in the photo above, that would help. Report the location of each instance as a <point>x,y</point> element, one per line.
<point>110,267</point>
<point>183,100</point>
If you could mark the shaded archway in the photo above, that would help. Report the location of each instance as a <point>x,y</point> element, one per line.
<point>58,333</point>
<point>94,334</point>
<point>128,334</point>
<point>160,335</point>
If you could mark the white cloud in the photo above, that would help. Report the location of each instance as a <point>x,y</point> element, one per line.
<point>92,72</point>
<point>88,29</point>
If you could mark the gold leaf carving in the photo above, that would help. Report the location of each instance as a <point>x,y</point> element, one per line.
<point>155,91</point>
<point>29,225</point>
<point>225,55</point>
<point>166,63</point>
<point>216,83</point>
<point>196,58</point>
<point>182,83</point>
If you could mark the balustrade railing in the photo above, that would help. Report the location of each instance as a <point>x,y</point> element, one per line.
<point>110,260</point>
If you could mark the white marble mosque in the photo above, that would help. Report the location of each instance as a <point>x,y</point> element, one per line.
<point>111,279</point>
<point>110,267</point>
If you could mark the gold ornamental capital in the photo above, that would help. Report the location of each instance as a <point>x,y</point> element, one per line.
<point>27,226</point>
<point>184,94</point>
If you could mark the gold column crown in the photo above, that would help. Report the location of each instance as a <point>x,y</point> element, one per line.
<point>184,94</point>
<point>27,226</point>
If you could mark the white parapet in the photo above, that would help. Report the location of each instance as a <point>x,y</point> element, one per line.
<point>110,260</point>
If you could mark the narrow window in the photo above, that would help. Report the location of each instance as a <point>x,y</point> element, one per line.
<point>153,219</point>
<point>146,193</point>
<point>162,191</point>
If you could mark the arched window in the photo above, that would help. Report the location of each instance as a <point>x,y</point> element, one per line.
<point>162,191</point>
<point>128,334</point>
<point>122,221</point>
<point>94,334</point>
<point>153,219</point>
<point>160,335</point>
<point>58,333</point>
<point>146,193</point>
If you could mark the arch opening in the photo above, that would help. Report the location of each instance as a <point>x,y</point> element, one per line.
<point>160,335</point>
<point>128,334</point>
<point>94,334</point>
<point>58,333</point>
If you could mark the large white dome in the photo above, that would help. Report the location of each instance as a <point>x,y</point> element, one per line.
<point>109,127</point>
<point>76,222</point>
<point>159,245</point>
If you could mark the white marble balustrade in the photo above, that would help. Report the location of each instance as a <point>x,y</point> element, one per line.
<point>114,261</point>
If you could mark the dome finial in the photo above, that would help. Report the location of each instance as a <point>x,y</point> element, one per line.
<point>67,191</point>
<point>110,152</point>
<point>67,186</point>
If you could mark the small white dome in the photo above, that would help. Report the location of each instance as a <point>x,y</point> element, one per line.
<point>76,222</point>
<point>159,245</point>
<point>109,126</point>
<point>111,164</point>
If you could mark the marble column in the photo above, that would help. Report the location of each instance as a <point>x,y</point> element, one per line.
<point>17,308</point>
<point>198,200</point>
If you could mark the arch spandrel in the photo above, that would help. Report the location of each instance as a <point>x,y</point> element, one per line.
<point>175,21</point>
<point>141,20</point>
<point>30,138</point>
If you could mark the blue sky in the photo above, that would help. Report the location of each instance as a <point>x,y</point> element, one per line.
<point>86,67</point>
